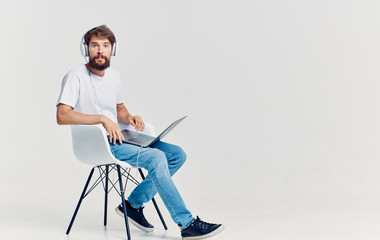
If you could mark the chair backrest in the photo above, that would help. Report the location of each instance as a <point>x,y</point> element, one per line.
<point>90,144</point>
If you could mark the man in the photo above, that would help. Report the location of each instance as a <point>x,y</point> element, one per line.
<point>91,94</point>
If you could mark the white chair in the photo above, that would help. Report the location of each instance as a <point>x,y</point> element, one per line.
<point>90,146</point>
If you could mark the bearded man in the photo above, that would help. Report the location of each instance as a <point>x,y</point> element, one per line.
<point>92,94</point>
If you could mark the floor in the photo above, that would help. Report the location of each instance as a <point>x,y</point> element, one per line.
<point>257,217</point>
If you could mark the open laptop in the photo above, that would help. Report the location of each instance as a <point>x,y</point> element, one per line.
<point>144,140</point>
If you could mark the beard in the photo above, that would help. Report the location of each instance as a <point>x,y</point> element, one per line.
<point>93,64</point>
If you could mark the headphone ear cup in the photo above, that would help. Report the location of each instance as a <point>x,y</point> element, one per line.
<point>114,47</point>
<point>86,50</point>
<point>83,48</point>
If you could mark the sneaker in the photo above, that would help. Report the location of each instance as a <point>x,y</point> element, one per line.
<point>200,230</point>
<point>135,216</point>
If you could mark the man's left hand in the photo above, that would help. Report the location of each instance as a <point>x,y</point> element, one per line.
<point>137,123</point>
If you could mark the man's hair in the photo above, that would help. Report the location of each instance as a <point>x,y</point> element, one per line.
<point>101,31</point>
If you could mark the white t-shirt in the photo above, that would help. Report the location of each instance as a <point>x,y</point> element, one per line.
<point>92,95</point>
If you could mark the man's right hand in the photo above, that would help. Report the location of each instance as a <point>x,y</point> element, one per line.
<point>67,116</point>
<point>112,129</point>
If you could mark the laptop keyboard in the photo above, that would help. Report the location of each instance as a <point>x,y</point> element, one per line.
<point>142,138</point>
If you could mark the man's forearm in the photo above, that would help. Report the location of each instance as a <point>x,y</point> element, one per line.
<point>70,117</point>
<point>123,115</point>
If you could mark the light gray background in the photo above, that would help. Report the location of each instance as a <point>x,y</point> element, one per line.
<point>292,84</point>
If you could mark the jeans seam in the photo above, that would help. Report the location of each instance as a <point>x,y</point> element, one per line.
<point>168,206</point>
<point>171,157</point>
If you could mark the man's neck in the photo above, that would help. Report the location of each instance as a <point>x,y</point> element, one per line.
<point>100,73</point>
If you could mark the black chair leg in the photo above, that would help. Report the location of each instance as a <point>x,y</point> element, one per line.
<point>123,202</point>
<point>106,197</point>
<point>155,204</point>
<point>80,201</point>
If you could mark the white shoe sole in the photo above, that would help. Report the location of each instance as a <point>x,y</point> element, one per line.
<point>211,234</point>
<point>142,228</point>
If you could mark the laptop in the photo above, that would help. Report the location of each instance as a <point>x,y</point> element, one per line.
<point>143,140</point>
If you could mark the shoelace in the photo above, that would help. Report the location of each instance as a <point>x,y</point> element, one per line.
<point>201,224</point>
<point>140,210</point>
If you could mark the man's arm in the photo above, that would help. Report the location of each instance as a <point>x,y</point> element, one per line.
<point>66,116</point>
<point>124,116</point>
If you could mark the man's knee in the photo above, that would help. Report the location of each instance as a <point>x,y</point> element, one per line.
<point>180,155</point>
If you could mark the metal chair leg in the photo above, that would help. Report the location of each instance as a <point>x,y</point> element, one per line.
<point>155,204</point>
<point>80,202</point>
<point>123,202</point>
<point>106,197</point>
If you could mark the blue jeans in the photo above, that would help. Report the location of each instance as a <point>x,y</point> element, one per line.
<point>161,161</point>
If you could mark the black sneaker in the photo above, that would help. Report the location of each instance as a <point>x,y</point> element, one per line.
<point>200,230</point>
<point>135,216</point>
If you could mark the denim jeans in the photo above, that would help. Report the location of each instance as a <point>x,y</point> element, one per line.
<point>161,161</point>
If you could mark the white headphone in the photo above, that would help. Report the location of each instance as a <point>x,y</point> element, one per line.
<point>84,47</point>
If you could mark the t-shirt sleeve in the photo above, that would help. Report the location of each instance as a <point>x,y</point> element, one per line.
<point>69,90</point>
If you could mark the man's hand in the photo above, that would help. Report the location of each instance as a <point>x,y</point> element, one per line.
<point>137,123</point>
<point>113,130</point>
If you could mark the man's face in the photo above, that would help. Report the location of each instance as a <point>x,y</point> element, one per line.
<point>100,50</point>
